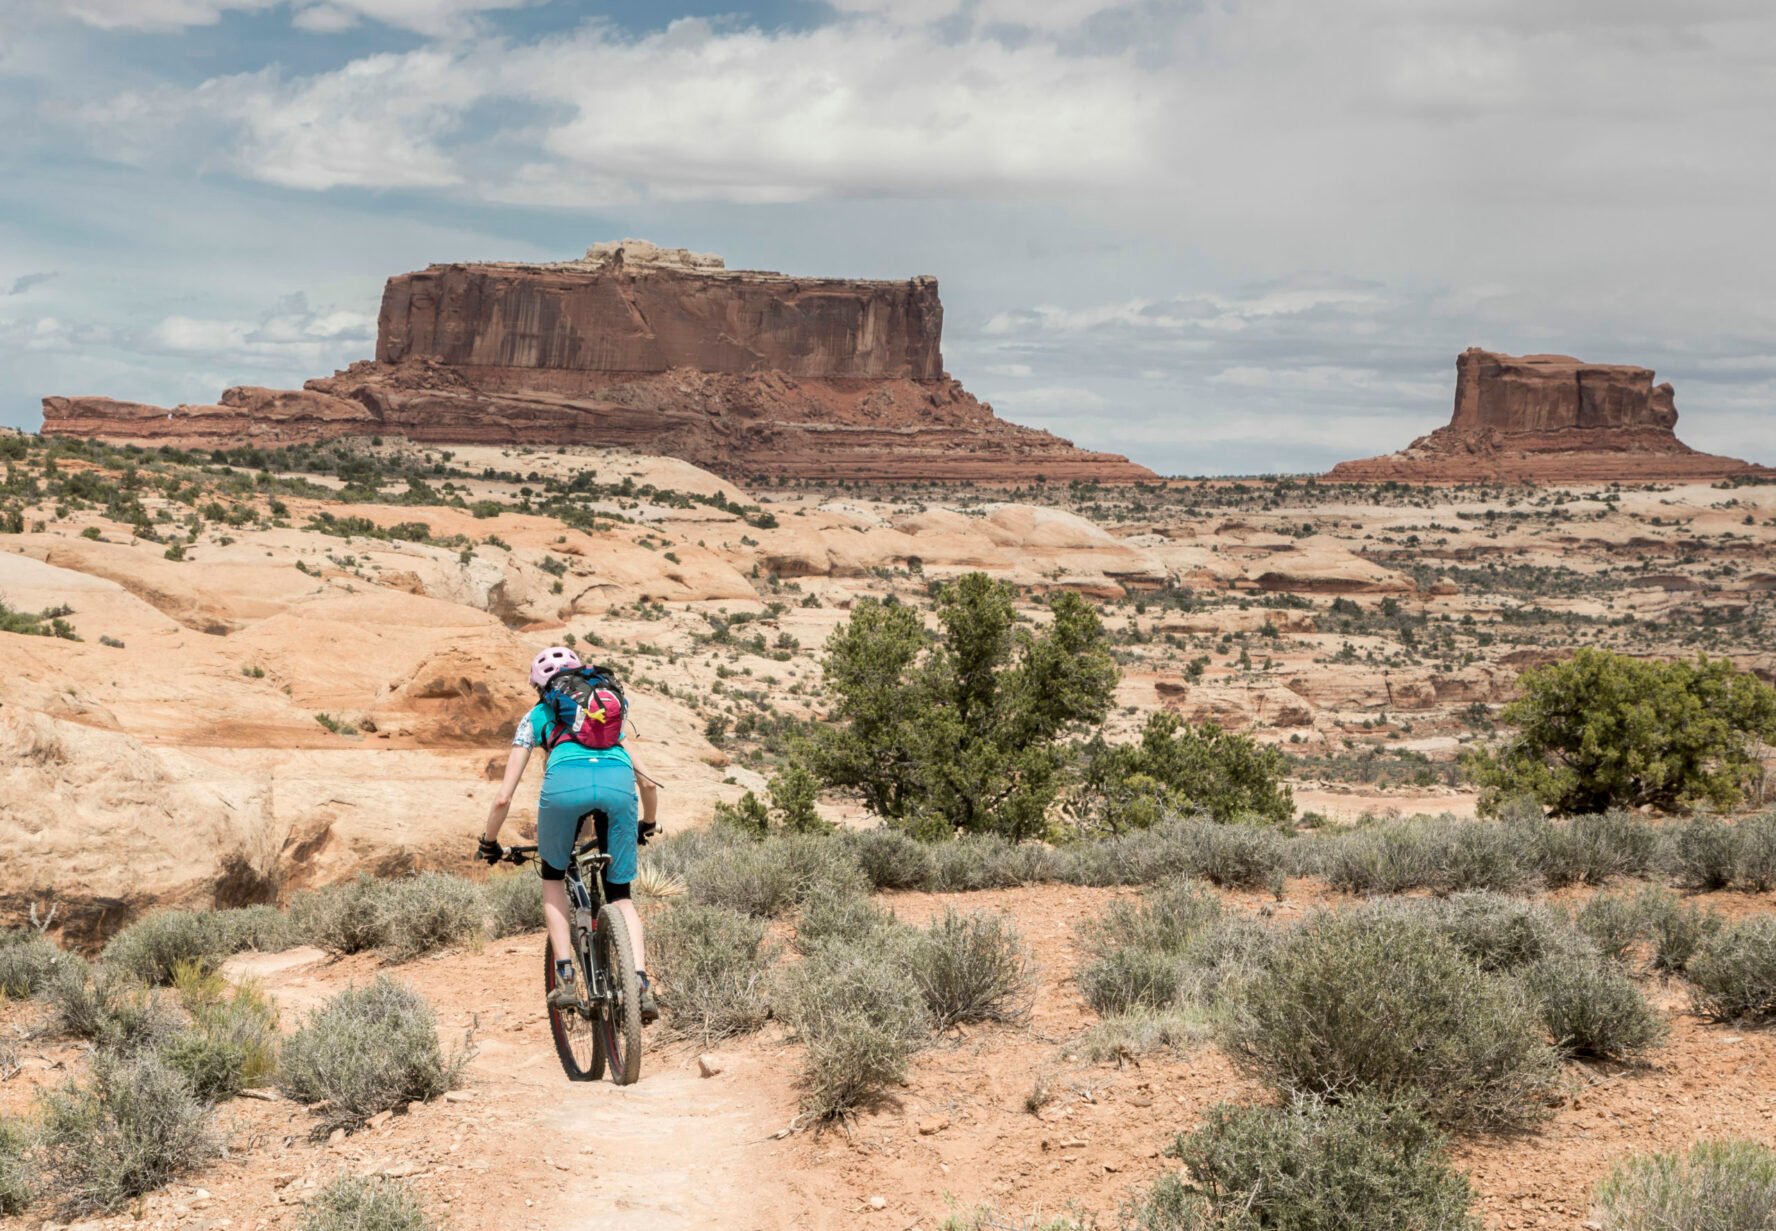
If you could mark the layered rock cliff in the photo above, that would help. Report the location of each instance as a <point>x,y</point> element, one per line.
<point>745,372</point>
<point>1549,418</point>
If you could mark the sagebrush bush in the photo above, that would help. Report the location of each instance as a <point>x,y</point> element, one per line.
<point>835,912</point>
<point>1311,1164</point>
<point>263,928</point>
<point>427,912</point>
<point>1676,928</point>
<point>346,918</point>
<point>1131,1034</point>
<point>18,1166</point>
<point>157,944</point>
<point>28,960</point>
<point>109,1006</point>
<point>1443,853</point>
<point>1236,856</point>
<point>1500,933</point>
<point>891,859</point>
<point>1754,867</point>
<point>971,968</point>
<point>231,1043</point>
<point>861,1016</point>
<point>1717,1186</point>
<point>514,904</point>
<point>1381,1002</point>
<point>363,1203</point>
<point>1732,973</point>
<point>1591,1008</point>
<point>1706,853</point>
<point>769,877</point>
<point>1613,922</point>
<point>1590,849</point>
<point>710,965</point>
<point>132,1127</point>
<point>1140,949</point>
<point>984,861</point>
<point>367,1049</point>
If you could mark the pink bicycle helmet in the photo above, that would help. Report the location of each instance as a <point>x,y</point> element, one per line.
<point>555,659</point>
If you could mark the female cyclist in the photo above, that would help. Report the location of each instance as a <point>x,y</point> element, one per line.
<point>576,779</point>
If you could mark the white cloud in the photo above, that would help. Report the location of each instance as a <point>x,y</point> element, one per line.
<point>289,334</point>
<point>425,16</point>
<point>1008,369</point>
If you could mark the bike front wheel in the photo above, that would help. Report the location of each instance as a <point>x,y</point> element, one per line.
<point>575,1030</point>
<point>619,1033</point>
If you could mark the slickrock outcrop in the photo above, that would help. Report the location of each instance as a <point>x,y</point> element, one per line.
<point>743,372</point>
<point>1549,418</point>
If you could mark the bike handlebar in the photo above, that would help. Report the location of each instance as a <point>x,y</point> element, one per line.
<point>521,855</point>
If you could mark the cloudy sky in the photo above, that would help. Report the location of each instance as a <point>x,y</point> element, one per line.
<point>1218,236</point>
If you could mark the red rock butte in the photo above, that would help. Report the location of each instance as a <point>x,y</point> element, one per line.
<point>1550,419</point>
<point>746,373</point>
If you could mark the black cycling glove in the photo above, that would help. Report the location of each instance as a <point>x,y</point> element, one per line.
<point>646,830</point>
<point>489,850</point>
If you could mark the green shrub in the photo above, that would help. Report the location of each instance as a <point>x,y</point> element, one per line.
<point>1707,854</point>
<point>1381,1002</point>
<point>1732,974</point>
<point>861,1016</point>
<point>891,859</point>
<point>363,1203</point>
<point>231,1044</point>
<point>1718,1186</point>
<point>428,912</point>
<point>513,904</point>
<point>347,918</point>
<point>769,877</point>
<point>1592,1009</point>
<point>18,1166</point>
<point>28,961</point>
<point>1311,1165</point>
<point>1604,730</point>
<point>1755,867</point>
<point>1179,768</point>
<point>965,732</point>
<point>710,965</point>
<point>367,1049</point>
<point>134,1126</point>
<point>971,968</point>
<point>156,945</point>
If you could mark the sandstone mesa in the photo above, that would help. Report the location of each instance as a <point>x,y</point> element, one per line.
<point>635,346</point>
<point>1550,418</point>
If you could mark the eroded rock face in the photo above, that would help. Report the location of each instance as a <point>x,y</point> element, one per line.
<point>746,373</point>
<point>1544,418</point>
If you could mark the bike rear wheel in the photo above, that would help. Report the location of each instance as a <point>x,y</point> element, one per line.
<point>575,1031</point>
<point>620,1022</point>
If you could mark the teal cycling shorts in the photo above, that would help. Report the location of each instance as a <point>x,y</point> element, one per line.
<point>573,788</point>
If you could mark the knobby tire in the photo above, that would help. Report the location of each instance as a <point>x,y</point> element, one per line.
<point>577,1037</point>
<point>620,1025</point>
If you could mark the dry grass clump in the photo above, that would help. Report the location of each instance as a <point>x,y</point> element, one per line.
<point>971,968</point>
<point>1309,1164</point>
<point>132,1127</point>
<point>1717,1186</point>
<point>1732,973</point>
<point>710,965</point>
<point>367,1049</point>
<point>1383,1003</point>
<point>231,1043</point>
<point>364,1203</point>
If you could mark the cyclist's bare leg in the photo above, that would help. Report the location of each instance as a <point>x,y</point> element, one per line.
<point>555,916</point>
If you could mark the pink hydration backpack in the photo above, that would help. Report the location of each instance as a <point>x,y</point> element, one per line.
<point>586,706</point>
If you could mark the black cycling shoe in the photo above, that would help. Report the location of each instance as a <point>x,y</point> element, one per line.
<point>650,1011</point>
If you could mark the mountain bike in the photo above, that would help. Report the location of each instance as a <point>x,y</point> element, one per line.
<point>605,1027</point>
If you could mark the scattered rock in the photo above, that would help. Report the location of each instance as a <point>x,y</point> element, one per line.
<point>936,1124</point>
<point>709,1064</point>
